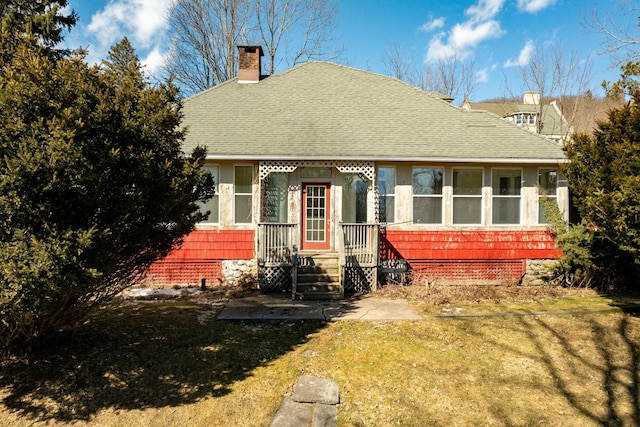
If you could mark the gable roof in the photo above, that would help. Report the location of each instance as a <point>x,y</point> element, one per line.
<point>552,121</point>
<point>325,111</point>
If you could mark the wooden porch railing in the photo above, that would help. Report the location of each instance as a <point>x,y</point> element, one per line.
<point>275,243</point>
<point>359,244</point>
<point>359,256</point>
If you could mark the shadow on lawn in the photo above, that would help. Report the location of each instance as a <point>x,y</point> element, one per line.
<point>601,379</point>
<point>141,355</point>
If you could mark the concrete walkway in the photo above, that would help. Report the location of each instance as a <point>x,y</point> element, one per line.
<point>265,307</point>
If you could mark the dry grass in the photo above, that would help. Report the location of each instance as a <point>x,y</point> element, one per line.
<point>433,299</point>
<point>170,363</point>
<point>425,291</point>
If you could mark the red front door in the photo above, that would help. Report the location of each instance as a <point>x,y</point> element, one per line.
<point>315,216</point>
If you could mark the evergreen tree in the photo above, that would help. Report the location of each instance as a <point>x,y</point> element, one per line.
<point>93,185</point>
<point>42,21</point>
<point>604,175</point>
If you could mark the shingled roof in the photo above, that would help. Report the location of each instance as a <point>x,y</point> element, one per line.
<point>325,111</point>
<point>551,118</point>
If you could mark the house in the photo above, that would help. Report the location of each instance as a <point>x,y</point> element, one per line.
<point>544,119</point>
<point>331,178</point>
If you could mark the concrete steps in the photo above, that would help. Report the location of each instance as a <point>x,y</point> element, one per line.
<point>318,276</point>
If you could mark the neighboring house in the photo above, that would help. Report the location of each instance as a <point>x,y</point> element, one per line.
<point>331,178</point>
<point>546,119</point>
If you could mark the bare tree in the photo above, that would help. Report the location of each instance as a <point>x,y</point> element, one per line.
<point>302,28</point>
<point>204,36</point>
<point>397,64</point>
<point>452,76</point>
<point>622,37</point>
<point>555,74</point>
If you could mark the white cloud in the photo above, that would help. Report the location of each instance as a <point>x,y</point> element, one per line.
<point>433,24</point>
<point>482,76</point>
<point>465,36</point>
<point>524,57</point>
<point>534,6</point>
<point>438,49</point>
<point>462,38</point>
<point>470,35</point>
<point>141,20</point>
<point>154,60</point>
<point>485,10</point>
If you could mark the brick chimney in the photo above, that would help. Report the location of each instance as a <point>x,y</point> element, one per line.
<point>250,64</point>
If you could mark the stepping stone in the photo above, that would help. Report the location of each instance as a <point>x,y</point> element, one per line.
<point>324,415</point>
<point>292,414</point>
<point>310,389</point>
<point>312,404</point>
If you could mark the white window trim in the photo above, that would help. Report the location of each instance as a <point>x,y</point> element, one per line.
<point>555,197</point>
<point>217,193</point>
<point>520,208</point>
<point>253,177</point>
<point>481,195</point>
<point>395,180</point>
<point>442,196</point>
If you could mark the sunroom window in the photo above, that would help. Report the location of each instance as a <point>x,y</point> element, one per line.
<point>276,198</point>
<point>354,199</point>
<point>427,195</point>
<point>243,194</point>
<point>387,194</point>
<point>467,196</point>
<point>211,205</point>
<point>506,186</point>
<point>547,186</point>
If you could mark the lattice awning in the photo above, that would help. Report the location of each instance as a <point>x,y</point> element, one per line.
<point>365,168</point>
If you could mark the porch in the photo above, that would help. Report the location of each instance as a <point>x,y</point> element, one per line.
<point>352,267</point>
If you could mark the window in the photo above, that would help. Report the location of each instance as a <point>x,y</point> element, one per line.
<point>547,186</point>
<point>427,195</point>
<point>506,184</point>
<point>524,119</point>
<point>243,194</point>
<point>467,196</point>
<point>519,119</point>
<point>354,199</point>
<point>211,205</point>
<point>386,192</point>
<point>276,198</point>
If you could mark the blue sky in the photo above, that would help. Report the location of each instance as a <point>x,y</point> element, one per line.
<point>495,33</point>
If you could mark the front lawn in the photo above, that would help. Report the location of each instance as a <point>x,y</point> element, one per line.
<point>170,363</point>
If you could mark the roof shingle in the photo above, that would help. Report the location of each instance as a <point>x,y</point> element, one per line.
<point>321,110</point>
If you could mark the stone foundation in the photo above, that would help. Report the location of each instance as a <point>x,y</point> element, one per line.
<point>540,271</point>
<point>239,272</point>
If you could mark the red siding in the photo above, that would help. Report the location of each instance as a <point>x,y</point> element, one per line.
<point>459,245</point>
<point>469,256</point>
<point>200,257</point>
<point>214,244</point>
<point>445,256</point>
